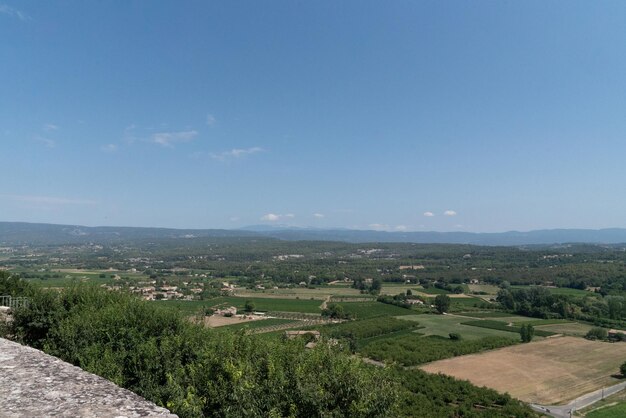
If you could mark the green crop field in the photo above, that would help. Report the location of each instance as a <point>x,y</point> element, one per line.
<point>463,303</point>
<point>394,289</point>
<point>443,325</point>
<point>502,326</point>
<point>540,322</point>
<point>187,307</point>
<point>575,329</point>
<point>271,304</point>
<point>364,310</point>
<point>414,349</point>
<point>561,291</point>
<point>260,304</point>
<point>258,324</point>
<point>368,328</point>
<point>302,292</point>
<point>614,411</point>
<point>433,291</point>
<point>486,288</point>
<point>487,314</point>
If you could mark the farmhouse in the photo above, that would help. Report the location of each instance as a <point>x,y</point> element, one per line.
<point>293,334</point>
<point>230,311</point>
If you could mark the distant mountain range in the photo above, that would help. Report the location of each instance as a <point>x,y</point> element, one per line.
<point>20,233</point>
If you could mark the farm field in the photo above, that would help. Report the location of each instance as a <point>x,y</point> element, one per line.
<point>610,411</point>
<point>613,406</point>
<point>443,325</point>
<point>561,291</point>
<point>261,323</point>
<point>265,304</point>
<point>569,328</point>
<point>365,310</point>
<point>503,326</point>
<point>394,289</point>
<point>487,288</point>
<point>261,304</point>
<point>412,349</point>
<point>547,372</point>
<point>303,293</point>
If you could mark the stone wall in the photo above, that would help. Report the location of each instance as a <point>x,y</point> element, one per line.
<point>34,384</point>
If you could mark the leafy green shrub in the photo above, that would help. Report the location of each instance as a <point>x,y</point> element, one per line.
<point>597,333</point>
<point>198,372</point>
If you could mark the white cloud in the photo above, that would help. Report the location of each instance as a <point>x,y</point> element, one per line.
<point>236,153</point>
<point>449,213</point>
<point>167,139</point>
<point>401,228</point>
<point>48,127</point>
<point>49,143</point>
<point>270,217</point>
<point>109,148</point>
<point>234,218</point>
<point>273,217</point>
<point>379,226</point>
<point>318,215</point>
<point>47,200</point>
<point>7,10</point>
<point>210,120</point>
<point>429,214</point>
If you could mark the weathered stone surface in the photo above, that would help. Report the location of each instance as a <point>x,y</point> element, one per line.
<point>34,384</point>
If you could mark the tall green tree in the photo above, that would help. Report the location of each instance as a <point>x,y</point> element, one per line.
<point>442,303</point>
<point>527,332</point>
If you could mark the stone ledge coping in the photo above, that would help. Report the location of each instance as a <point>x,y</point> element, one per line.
<point>34,384</point>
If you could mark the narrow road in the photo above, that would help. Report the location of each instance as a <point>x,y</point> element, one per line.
<point>325,303</point>
<point>562,411</point>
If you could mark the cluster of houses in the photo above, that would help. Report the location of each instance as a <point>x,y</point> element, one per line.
<point>150,291</point>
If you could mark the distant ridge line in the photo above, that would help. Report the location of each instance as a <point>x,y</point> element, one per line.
<point>20,233</point>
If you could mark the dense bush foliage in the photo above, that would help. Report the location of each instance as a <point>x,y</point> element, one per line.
<point>411,350</point>
<point>13,285</point>
<point>597,333</point>
<point>435,396</point>
<point>195,372</point>
<point>541,303</point>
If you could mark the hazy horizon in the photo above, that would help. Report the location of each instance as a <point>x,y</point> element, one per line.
<point>424,116</point>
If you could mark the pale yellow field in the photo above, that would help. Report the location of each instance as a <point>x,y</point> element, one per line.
<point>549,372</point>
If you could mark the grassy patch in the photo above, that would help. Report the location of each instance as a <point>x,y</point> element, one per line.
<point>614,411</point>
<point>570,328</point>
<point>561,291</point>
<point>434,291</point>
<point>443,325</point>
<point>258,324</point>
<point>260,304</point>
<point>501,326</point>
<point>488,314</point>
<point>365,310</point>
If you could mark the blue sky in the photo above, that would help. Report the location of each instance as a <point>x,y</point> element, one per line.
<point>396,115</point>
